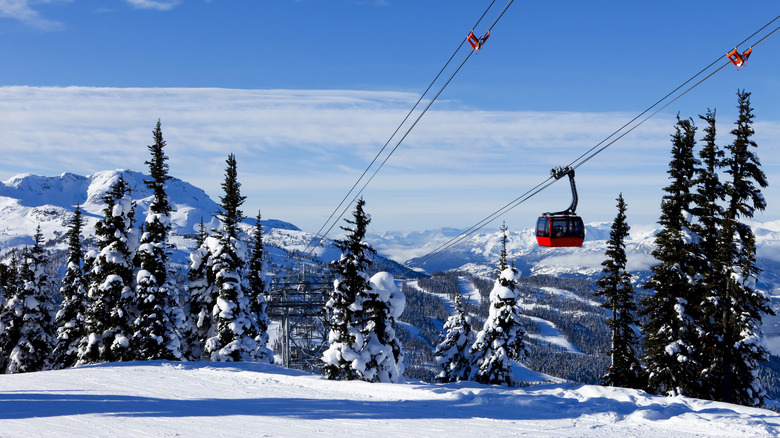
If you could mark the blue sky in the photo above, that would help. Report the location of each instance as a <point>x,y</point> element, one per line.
<point>307,92</point>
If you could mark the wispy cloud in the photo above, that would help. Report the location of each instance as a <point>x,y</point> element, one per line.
<point>299,151</point>
<point>160,5</point>
<point>22,10</point>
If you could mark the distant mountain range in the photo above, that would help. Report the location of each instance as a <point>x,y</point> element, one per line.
<point>479,254</point>
<point>27,201</point>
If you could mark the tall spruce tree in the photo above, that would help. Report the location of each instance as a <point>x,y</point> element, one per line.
<point>671,333</point>
<point>708,211</point>
<point>257,290</point>
<point>344,308</point>
<point>156,330</point>
<point>452,352</point>
<point>202,234</point>
<point>235,332</point>
<point>111,311</point>
<point>70,317</point>
<point>501,339</point>
<point>615,285</point>
<point>738,304</point>
<point>32,333</point>
<point>502,257</point>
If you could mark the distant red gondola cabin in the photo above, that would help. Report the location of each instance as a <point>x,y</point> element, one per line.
<point>562,228</point>
<point>560,231</point>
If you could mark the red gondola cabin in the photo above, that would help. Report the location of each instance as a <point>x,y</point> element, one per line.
<point>560,231</point>
<point>562,228</point>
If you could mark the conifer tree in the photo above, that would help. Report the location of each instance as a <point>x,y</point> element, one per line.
<point>342,360</point>
<point>159,317</point>
<point>381,351</point>
<point>501,339</point>
<point>8,288</point>
<point>70,317</point>
<point>708,212</point>
<point>452,353</point>
<point>230,214</point>
<point>110,312</point>
<point>202,297</point>
<point>671,333</point>
<point>202,234</point>
<point>615,285</point>
<point>235,332</point>
<point>502,257</point>
<point>257,291</point>
<point>738,303</point>
<point>5,321</point>
<point>31,336</point>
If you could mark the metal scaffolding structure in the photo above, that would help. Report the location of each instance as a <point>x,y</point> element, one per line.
<point>298,302</point>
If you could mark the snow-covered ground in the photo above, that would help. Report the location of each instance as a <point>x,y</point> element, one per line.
<point>551,335</point>
<point>469,292</point>
<point>162,399</point>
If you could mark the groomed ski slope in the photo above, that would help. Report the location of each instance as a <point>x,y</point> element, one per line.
<point>163,399</point>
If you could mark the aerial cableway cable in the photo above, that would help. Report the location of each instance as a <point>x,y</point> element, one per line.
<point>595,150</point>
<point>582,157</point>
<point>320,236</point>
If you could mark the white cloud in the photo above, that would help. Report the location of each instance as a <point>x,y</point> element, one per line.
<point>160,5</point>
<point>299,151</point>
<point>22,11</point>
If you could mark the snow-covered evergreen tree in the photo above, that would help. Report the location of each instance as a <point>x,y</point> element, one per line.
<point>31,335</point>
<point>257,290</point>
<point>344,308</point>
<point>156,329</point>
<point>9,284</point>
<point>708,212</point>
<point>5,321</point>
<point>381,351</point>
<point>671,334</point>
<point>501,339</point>
<point>235,331</point>
<point>615,285</point>
<point>452,353</point>
<point>738,304</point>
<point>202,296</point>
<point>70,317</point>
<point>111,294</point>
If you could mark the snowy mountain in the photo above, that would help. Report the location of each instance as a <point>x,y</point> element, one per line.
<point>199,399</point>
<point>27,201</point>
<point>479,253</point>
